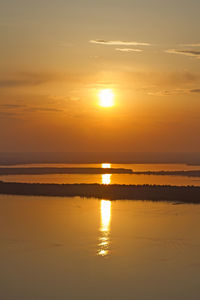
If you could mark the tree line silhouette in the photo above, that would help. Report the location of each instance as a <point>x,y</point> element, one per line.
<point>185,194</point>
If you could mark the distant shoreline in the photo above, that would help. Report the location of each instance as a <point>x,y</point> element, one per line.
<point>62,170</point>
<point>92,170</point>
<point>188,173</point>
<point>183,194</point>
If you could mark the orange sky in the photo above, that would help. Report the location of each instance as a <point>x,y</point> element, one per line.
<point>57,55</point>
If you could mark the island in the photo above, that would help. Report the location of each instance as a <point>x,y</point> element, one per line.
<point>182,194</point>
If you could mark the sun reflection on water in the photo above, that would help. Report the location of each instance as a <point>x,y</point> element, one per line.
<point>106,166</point>
<point>106,178</point>
<point>104,239</point>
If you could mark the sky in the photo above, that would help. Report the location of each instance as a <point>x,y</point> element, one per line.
<point>55,57</point>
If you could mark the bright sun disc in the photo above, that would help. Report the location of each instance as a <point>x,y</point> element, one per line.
<point>106,98</point>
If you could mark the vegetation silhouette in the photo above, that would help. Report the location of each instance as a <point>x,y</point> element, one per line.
<point>188,173</point>
<point>61,170</point>
<point>184,194</point>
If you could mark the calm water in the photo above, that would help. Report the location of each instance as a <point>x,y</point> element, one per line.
<point>111,179</point>
<point>73,248</point>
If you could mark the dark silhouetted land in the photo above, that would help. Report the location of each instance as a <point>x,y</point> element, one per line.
<point>185,194</point>
<point>55,170</point>
<point>192,173</point>
<point>63,170</point>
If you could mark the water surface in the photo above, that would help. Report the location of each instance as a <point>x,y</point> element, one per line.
<point>74,248</point>
<point>108,178</point>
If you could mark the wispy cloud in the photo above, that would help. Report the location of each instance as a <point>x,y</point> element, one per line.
<point>26,79</point>
<point>7,115</point>
<point>174,92</point>
<point>128,50</point>
<point>43,109</point>
<point>21,110</point>
<point>168,92</point>
<point>195,91</point>
<point>191,45</point>
<point>4,83</point>
<point>118,43</point>
<point>12,106</point>
<point>192,53</point>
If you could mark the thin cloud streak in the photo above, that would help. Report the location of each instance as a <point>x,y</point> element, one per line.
<point>43,109</point>
<point>192,53</point>
<point>128,50</point>
<point>118,43</point>
<point>168,92</point>
<point>26,79</point>
<point>174,92</point>
<point>195,91</point>
<point>191,45</point>
<point>12,106</point>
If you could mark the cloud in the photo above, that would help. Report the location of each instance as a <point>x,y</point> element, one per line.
<point>174,92</point>
<point>185,52</point>
<point>28,104</point>
<point>162,80</point>
<point>12,106</point>
<point>11,110</point>
<point>168,92</point>
<point>192,45</point>
<point>38,79</point>
<point>195,91</point>
<point>13,83</point>
<point>7,115</point>
<point>26,79</point>
<point>128,50</point>
<point>43,109</point>
<point>118,43</point>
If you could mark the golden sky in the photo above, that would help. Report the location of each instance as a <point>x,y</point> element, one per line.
<point>56,56</point>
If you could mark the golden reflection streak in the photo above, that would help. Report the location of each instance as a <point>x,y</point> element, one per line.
<point>106,166</point>
<point>104,239</point>
<point>105,215</point>
<point>106,178</point>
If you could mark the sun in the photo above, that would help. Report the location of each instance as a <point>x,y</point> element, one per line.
<point>106,98</point>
